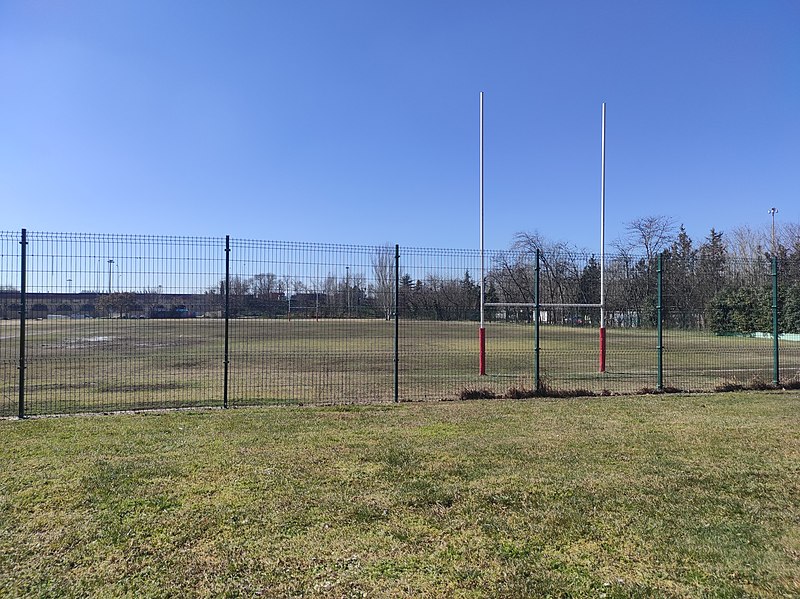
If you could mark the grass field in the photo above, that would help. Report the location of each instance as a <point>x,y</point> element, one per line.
<point>667,496</point>
<point>113,364</point>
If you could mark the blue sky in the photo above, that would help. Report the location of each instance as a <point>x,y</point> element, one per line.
<point>357,122</point>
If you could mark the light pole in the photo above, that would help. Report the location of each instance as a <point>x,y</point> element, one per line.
<point>69,285</point>
<point>289,298</point>
<point>110,262</point>
<point>773,211</point>
<point>347,284</point>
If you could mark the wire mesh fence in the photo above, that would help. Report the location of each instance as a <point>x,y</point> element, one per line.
<point>117,323</point>
<point>788,284</point>
<point>311,323</point>
<point>439,305</point>
<point>10,323</point>
<point>718,323</point>
<point>120,322</point>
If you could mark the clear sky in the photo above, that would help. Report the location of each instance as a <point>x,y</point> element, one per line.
<point>357,121</point>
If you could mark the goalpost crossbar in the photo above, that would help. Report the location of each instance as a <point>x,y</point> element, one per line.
<point>527,305</point>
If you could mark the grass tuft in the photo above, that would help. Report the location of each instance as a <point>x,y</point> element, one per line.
<point>521,393</point>
<point>477,394</point>
<point>652,391</point>
<point>755,384</point>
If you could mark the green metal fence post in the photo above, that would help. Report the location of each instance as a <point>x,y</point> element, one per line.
<point>227,318</point>
<point>22,317</point>
<point>775,333</point>
<point>396,323</point>
<point>536,320</point>
<point>660,325</point>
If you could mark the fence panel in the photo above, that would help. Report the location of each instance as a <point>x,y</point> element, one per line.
<point>121,322</point>
<point>569,294</point>
<point>789,321</point>
<point>9,322</point>
<point>510,330</point>
<point>717,322</point>
<point>311,323</point>
<point>439,300</point>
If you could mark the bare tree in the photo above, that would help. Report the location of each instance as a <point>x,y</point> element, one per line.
<point>648,236</point>
<point>559,270</point>
<point>747,243</point>
<point>789,235</point>
<point>383,270</point>
<point>747,247</point>
<point>264,284</point>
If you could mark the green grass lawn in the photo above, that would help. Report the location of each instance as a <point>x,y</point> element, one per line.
<point>114,364</point>
<point>668,496</point>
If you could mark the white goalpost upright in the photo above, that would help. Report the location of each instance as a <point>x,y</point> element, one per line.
<point>482,329</point>
<point>603,242</point>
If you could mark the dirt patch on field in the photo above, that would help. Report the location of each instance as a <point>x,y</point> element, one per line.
<point>33,387</point>
<point>139,387</point>
<point>106,342</point>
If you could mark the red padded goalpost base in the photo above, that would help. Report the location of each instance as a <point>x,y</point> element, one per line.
<point>602,349</point>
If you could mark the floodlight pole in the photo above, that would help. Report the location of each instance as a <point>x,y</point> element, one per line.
<point>772,211</point>
<point>482,330</point>
<point>603,244</point>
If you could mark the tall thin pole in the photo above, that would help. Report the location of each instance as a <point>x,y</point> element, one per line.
<point>776,378</point>
<point>772,211</point>
<point>660,325</point>
<point>603,243</point>
<point>23,291</point>
<point>537,315</point>
<point>482,330</point>
<point>227,315</point>
<point>396,323</point>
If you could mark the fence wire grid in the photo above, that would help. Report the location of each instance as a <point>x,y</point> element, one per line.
<point>96,323</point>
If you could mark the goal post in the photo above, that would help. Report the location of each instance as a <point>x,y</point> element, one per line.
<point>482,329</point>
<point>602,303</point>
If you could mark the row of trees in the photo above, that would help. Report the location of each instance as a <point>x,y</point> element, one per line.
<point>435,297</point>
<point>723,283</point>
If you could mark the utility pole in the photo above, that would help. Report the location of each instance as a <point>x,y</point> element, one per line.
<point>347,284</point>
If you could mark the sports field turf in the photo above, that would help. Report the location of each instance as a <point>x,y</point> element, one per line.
<point>654,496</point>
<point>116,364</point>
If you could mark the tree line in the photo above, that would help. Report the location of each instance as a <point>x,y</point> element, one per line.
<point>723,283</point>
